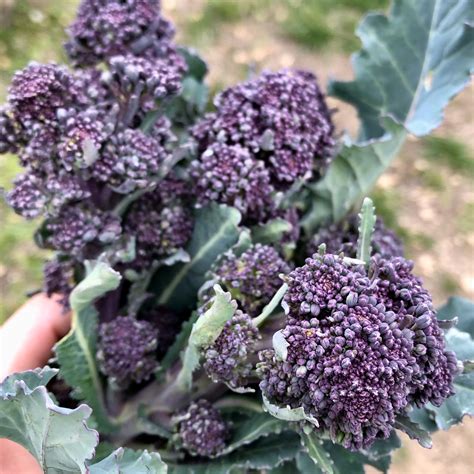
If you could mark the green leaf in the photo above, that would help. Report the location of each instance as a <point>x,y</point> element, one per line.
<point>215,231</point>
<point>76,352</point>
<point>205,331</point>
<point>366,229</point>
<point>461,308</point>
<point>58,438</point>
<point>412,63</point>
<point>265,453</point>
<point>256,426</point>
<point>316,451</point>
<point>172,354</point>
<point>350,177</point>
<point>271,232</point>
<point>128,461</point>
<point>32,379</point>
<point>461,403</point>
<point>414,431</point>
<point>287,413</point>
<point>197,67</point>
<point>271,306</point>
<point>280,345</point>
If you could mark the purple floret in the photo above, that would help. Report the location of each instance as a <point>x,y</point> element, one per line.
<point>39,149</point>
<point>370,350</point>
<point>253,278</point>
<point>127,350</point>
<point>227,359</point>
<point>202,430</point>
<point>82,137</point>
<point>59,279</point>
<point>160,227</point>
<point>232,176</point>
<point>35,194</point>
<point>281,118</point>
<point>11,132</point>
<point>343,238</point>
<point>38,91</point>
<point>27,197</point>
<point>322,282</point>
<point>75,227</point>
<point>130,160</point>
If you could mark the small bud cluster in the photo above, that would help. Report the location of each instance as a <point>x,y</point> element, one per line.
<point>343,237</point>
<point>59,279</point>
<point>161,223</point>
<point>230,175</point>
<point>281,121</point>
<point>360,350</point>
<point>202,430</point>
<point>253,277</point>
<point>127,350</point>
<point>226,360</point>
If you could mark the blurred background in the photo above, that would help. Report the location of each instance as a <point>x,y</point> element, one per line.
<point>427,196</point>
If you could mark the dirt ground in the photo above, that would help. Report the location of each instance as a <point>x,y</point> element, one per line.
<point>419,209</point>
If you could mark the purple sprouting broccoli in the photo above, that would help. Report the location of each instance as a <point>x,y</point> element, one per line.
<point>161,226</point>
<point>281,118</point>
<point>130,160</point>
<point>363,357</point>
<point>201,429</point>
<point>38,92</point>
<point>230,174</point>
<point>227,359</point>
<point>127,350</point>
<point>343,237</point>
<point>107,28</point>
<point>59,279</point>
<point>75,228</point>
<point>252,278</point>
<point>322,282</point>
<point>11,132</point>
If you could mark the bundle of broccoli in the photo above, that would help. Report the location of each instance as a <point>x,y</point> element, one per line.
<point>223,295</point>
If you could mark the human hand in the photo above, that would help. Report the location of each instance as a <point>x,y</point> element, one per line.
<point>26,342</point>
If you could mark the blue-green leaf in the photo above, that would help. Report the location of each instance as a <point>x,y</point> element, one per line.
<point>463,309</point>
<point>76,352</point>
<point>350,177</point>
<point>414,431</point>
<point>128,461</point>
<point>412,63</point>
<point>58,438</point>
<point>215,231</point>
<point>265,453</point>
<point>317,452</point>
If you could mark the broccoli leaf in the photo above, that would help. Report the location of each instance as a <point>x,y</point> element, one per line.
<point>76,351</point>
<point>254,427</point>
<point>350,177</point>
<point>215,231</point>
<point>271,232</point>
<point>287,413</point>
<point>265,453</point>
<point>205,331</point>
<point>60,441</point>
<point>412,63</point>
<point>317,452</point>
<point>461,308</point>
<point>414,431</point>
<point>128,461</point>
<point>461,403</point>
